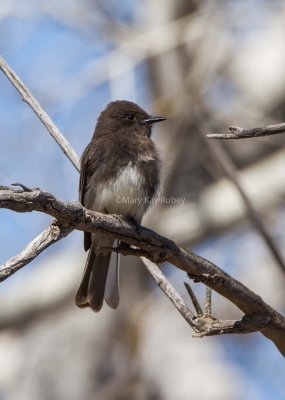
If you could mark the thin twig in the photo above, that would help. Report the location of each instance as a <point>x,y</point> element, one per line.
<point>194,299</point>
<point>24,187</point>
<point>208,302</point>
<point>235,132</point>
<point>39,111</point>
<point>170,292</point>
<point>52,234</point>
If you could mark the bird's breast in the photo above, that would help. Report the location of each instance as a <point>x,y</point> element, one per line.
<point>124,194</point>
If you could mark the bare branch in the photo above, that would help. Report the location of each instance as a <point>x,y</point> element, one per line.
<point>194,299</point>
<point>43,116</point>
<point>158,249</point>
<point>235,132</point>
<point>203,324</point>
<point>208,302</point>
<point>232,172</point>
<point>52,234</point>
<point>170,292</point>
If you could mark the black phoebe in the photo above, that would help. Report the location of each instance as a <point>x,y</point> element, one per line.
<point>119,175</point>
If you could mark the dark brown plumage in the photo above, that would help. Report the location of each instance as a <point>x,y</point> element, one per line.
<point>119,174</point>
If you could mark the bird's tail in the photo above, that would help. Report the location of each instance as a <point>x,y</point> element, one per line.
<point>97,282</point>
<point>111,295</point>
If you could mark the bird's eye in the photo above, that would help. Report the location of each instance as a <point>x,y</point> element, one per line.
<point>131,117</point>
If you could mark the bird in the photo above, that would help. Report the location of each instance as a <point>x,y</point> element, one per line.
<point>119,174</point>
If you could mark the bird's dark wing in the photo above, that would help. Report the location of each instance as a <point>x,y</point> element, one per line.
<point>85,172</point>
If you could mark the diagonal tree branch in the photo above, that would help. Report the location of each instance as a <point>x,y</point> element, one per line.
<point>208,302</point>
<point>194,299</point>
<point>52,234</point>
<point>43,116</point>
<point>171,293</point>
<point>235,132</point>
<point>158,249</point>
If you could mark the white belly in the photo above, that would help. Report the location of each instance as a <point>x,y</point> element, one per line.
<point>125,195</point>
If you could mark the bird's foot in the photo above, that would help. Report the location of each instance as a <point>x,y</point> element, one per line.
<point>137,226</point>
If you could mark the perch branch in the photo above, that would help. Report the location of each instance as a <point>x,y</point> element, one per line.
<point>235,132</point>
<point>158,249</point>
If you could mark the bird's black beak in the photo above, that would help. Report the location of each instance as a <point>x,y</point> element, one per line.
<point>153,120</point>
